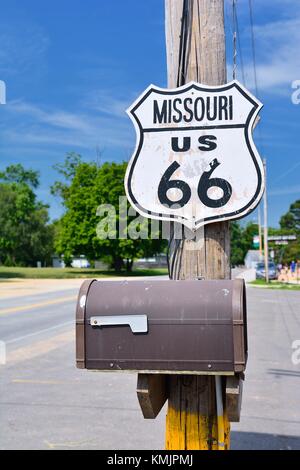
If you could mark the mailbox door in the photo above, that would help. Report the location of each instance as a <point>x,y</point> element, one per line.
<point>189,326</point>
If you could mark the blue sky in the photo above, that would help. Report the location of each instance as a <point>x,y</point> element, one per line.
<point>72,67</point>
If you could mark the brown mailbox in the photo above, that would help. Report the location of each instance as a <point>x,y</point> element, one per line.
<point>162,326</point>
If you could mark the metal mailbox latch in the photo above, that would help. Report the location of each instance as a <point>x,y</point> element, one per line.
<point>137,323</point>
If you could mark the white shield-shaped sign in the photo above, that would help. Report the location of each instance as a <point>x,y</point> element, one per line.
<point>195,161</point>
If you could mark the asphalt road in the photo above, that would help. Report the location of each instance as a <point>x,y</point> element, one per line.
<point>46,403</point>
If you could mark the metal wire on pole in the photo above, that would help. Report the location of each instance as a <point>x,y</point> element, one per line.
<point>234,65</point>
<point>253,46</point>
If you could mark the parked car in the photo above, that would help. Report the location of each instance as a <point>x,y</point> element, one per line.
<point>260,271</point>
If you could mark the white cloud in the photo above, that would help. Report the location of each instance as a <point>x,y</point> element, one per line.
<point>276,44</point>
<point>285,190</point>
<point>104,102</point>
<point>60,127</point>
<point>279,60</point>
<point>23,48</point>
<point>56,118</point>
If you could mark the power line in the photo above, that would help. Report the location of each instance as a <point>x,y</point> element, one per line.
<point>254,63</point>
<point>239,43</point>
<point>234,65</point>
<point>253,46</point>
<point>237,48</point>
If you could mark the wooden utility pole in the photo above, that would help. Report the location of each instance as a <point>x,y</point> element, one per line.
<point>266,244</point>
<point>195,39</point>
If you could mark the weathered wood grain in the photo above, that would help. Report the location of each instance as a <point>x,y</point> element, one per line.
<point>192,419</point>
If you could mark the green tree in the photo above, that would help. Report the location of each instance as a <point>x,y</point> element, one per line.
<point>291,220</point>
<point>25,234</point>
<point>18,174</point>
<point>67,169</point>
<point>87,186</point>
<point>237,249</point>
<point>290,224</point>
<point>249,231</point>
<point>241,241</point>
<point>290,252</point>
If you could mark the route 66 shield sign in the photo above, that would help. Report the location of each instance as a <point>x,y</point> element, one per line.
<point>195,161</point>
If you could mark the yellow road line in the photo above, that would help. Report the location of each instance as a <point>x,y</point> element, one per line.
<point>40,348</point>
<point>53,445</point>
<point>37,305</point>
<point>39,382</point>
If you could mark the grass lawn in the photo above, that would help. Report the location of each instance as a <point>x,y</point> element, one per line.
<point>69,273</point>
<point>275,285</point>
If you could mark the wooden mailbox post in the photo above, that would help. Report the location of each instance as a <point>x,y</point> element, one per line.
<point>195,43</point>
<point>192,421</point>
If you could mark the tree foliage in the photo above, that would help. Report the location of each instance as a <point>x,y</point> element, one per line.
<point>237,249</point>
<point>241,241</point>
<point>290,224</point>
<point>25,235</point>
<point>291,220</point>
<point>18,174</point>
<point>242,238</point>
<point>288,253</point>
<point>86,186</point>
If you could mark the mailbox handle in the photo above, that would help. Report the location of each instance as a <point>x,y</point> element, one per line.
<point>137,323</point>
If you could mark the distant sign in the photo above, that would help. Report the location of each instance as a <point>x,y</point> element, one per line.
<point>286,238</point>
<point>256,241</point>
<point>195,161</point>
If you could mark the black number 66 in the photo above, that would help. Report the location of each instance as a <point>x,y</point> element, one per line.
<point>205,183</point>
